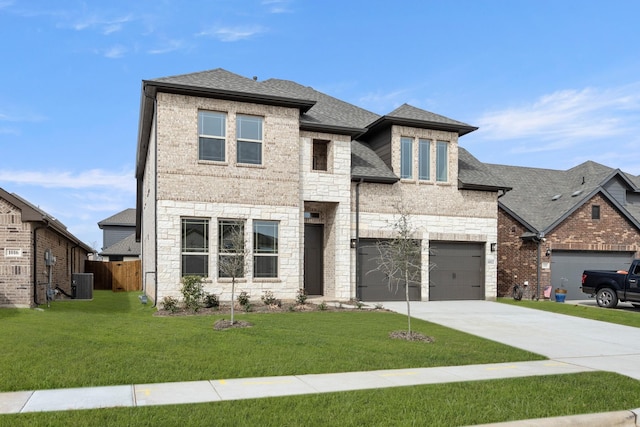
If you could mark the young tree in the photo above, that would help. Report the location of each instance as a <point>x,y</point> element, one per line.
<point>232,261</point>
<point>400,259</point>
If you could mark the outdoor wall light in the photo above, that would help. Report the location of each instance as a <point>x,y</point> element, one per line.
<point>353,243</point>
<point>494,246</point>
<point>548,252</point>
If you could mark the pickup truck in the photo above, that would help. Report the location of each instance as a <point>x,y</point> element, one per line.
<point>609,287</point>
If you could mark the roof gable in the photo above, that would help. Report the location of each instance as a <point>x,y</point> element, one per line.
<point>542,198</point>
<point>126,217</point>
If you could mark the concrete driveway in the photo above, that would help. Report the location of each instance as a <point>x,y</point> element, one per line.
<point>589,343</point>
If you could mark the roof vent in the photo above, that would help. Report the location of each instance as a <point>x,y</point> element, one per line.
<point>576,193</point>
<point>556,197</point>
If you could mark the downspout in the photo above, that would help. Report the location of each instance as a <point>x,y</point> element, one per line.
<point>35,261</point>
<point>155,202</point>
<point>539,241</point>
<point>358,266</point>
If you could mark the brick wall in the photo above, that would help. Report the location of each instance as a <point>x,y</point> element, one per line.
<point>15,258</point>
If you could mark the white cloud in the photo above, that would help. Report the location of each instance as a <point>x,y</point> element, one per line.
<point>5,3</point>
<point>232,34</point>
<point>565,117</point>
<point>168,46</point>
<point>115,52</point>
<point>104,25</point>
<point>122,181</point>
<point>277,6</point>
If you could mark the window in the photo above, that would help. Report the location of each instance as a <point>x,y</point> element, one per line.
<point>265,249</point>
<point>211,136</point>
<point>249,134</point>
<point>231,248</point>
<point>442,161</point>
<point>424,159</point>
<point>195,247</point>
<point>595,212</point>
<point>406,158</point>
<point>320,151</point>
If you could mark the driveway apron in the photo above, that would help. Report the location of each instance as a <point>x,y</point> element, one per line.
<point>588,343</point>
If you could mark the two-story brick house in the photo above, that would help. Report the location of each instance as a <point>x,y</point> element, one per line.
<point>554,224</point>
<point>36,252</point>
<point>313,181</point>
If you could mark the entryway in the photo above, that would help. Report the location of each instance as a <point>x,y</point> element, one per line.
<point>314,259</point>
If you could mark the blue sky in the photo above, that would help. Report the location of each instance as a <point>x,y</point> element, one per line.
<point>550,83</point>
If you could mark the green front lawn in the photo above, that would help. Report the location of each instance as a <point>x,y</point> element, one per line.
<point>446,405</point>
<point>116,340</point>
<point>621,316</point>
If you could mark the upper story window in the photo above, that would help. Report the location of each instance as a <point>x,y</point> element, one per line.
<point>595,212</point>
<point>211,135</point>
<point>320,155</point>
<point>442,161</point>
<point>195,247</point>
<point>424,159</point>
<point>249,134</point>
<point>406,158</point>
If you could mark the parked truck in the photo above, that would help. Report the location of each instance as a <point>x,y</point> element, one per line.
<point>609,287</point>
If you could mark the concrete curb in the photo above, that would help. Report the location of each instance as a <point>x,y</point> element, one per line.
<point>610,419</point>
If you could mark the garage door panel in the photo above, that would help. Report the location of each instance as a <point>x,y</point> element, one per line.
<point>457,271</point>
<point>567,267</point>
<point>375,284</point>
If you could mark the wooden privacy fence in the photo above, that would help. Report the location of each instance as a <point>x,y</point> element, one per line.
<point>116,276</point>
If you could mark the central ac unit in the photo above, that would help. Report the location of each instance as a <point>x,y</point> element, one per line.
<point>82,285</point>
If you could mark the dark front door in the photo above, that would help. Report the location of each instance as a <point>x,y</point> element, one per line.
<point>313,259</point>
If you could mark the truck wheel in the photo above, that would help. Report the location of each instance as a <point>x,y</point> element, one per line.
<point>607,298</point>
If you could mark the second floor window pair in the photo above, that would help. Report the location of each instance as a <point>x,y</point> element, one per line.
<point>212,138</point>
<point>424,159</point>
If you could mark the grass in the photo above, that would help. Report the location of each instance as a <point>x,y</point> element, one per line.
<point>116,340</point>
<point>621,316</point>
<point>433,405</point>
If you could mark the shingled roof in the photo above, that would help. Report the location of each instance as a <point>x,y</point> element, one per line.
<point>321,113</point>
<point>542,198</point>
<point>126,217</point>
<point>125,247</point>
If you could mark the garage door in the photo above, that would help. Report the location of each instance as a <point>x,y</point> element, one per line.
<point>457,271</point>
<point>374,284</point>
<point>567,267</point>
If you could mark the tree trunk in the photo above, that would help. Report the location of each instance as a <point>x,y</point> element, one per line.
<point>406,294</point>
<point>233,291</point>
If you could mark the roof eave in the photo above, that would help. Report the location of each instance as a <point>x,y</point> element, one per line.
<point>374,179</point>
<point>334,129</point>
<point>482,187</point>
<point>460,129</point>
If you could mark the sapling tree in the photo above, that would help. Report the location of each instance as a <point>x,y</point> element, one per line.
<point>232,261</point>
<point>399,259</point>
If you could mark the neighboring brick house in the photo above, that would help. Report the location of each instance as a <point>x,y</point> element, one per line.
<point>118,237</point>
<point>26,234</point>
<point>313,181</point>
<point>554,224</point>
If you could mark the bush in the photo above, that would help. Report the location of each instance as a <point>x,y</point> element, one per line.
<point>211,301</point>
<point>243,299</point>
<point>270,300</point>
<point>322,306</point>
<point>170,304</point>
<point>301,297</point>
<point>192,292</point>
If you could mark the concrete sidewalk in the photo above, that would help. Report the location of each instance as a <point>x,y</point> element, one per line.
<point>251,388</point>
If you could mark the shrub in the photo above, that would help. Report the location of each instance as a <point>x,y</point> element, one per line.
<point>192,292</point>
<point>301,297</point>
<point>270,300</point>
<point>322,306</point>
<point>211,301</point>
<point>243,299</point>
<point>170,304</point>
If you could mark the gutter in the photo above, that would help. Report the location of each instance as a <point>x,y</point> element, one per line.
<point>358,266</point>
